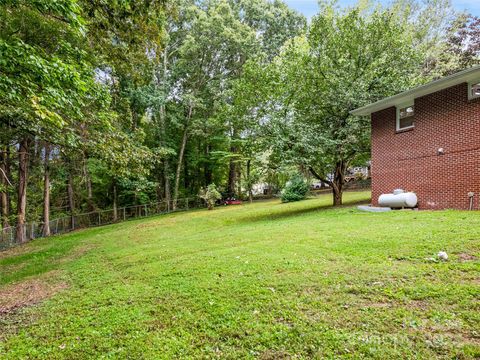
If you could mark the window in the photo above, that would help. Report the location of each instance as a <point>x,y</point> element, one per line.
<point>474,90</point>
<point>405,117</point>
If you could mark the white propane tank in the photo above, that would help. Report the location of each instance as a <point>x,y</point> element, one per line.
<point>398,200</point>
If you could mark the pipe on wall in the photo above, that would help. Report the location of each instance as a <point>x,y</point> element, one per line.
<point>470,196</point>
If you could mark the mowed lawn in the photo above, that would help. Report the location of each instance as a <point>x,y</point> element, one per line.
<point>267,280</point>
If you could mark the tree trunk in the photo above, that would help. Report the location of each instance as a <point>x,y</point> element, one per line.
<point>4,200</point>
<point>249,181</point>
<point>71,199</point>
<point>4,184</point>
<point>90,203</point>
<point>180,157</point>
<point>186,177</point>
<point>8,171</point>
<point>115,210</point>
<point>46,191</point>
<point>337,195</point>
<point>179,167</point>
<point>166,179</point>
<point>22,188</point>
<point>159,189</point>
<point>163,130</point>
<point>338,182</point>
<point>207,169</point>
<point>232,175</point>
<point>239,180</point>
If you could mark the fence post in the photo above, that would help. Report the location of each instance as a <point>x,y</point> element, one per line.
<point>186,200</point>
<point>124,215</point>
<point>99,221</point>
<point>146,214</point>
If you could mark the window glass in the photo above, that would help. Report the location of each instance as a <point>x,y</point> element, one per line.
<point>406,122</point>
<point>407,112</point>
<point>405,117</point>
<point>475,90</point>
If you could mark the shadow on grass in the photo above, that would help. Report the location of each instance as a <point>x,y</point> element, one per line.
<point>283,212</point>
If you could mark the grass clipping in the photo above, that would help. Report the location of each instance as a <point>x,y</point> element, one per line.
<point>29,292</point>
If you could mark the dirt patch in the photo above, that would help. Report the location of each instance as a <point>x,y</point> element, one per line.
<point>378,305</point>
<point>418,304</point>
<point>275,354</point>
<point>77,252</point>
<point>464,257</point>
<point>146,225</point>
<point>285,322</point>
<point>458,336</point>
<point>17,250</point>
<point>29,292</point>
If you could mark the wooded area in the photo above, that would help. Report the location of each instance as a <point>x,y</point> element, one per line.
<point>109,104</point>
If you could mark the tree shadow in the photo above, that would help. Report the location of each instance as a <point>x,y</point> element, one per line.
<point>282,212</point>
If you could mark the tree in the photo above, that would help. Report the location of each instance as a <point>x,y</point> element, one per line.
<point>46,189</point>
<point>45,81</point>
<point>296,189</point>
<point>444,36</point>
<point>463,42</point>
<point>51,92</point>
<point>213,52</point>
<point>121,102</point>
<point>346,60</point>
<point>210,195</point>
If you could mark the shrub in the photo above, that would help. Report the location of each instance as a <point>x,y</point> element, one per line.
<point>359,176</point>
<point>295,190</point>
<point>210,195</point>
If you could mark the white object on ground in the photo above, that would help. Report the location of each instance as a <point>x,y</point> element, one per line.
<point>398,200</point>
<point>442,255</point>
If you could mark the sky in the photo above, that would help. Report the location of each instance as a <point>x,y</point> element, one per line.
<point>309,7</point>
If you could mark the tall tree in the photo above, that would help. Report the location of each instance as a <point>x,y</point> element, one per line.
<point>213,53</point>
<point>463,43</point>
<point>346,60</point>
<point>5,183</point>
<point>47,84</point>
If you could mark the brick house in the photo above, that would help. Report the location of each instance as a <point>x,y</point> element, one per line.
<point>427,140</point>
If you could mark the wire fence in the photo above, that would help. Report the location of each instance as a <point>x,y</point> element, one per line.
<point>62,225</point>
<point>65,224</point>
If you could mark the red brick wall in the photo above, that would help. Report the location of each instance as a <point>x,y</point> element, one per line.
<point>409,160</point>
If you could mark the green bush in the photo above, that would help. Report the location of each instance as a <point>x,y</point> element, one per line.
<point>295,190</point>
<point>210,195</point>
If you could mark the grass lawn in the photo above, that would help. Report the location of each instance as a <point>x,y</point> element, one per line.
<point>267,280</point>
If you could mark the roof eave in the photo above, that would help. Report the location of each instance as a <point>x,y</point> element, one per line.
<point>471,74</point>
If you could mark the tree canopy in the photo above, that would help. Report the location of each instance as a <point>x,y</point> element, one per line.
<point>115,103</point>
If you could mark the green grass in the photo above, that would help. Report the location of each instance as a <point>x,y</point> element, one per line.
<point>267,280</point>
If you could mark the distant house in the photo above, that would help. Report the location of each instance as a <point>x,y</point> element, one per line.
<point>427,140</point>
<point>261,189</point>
